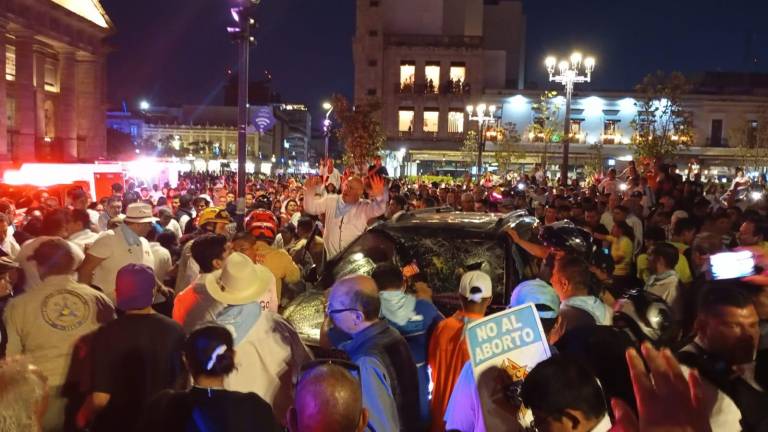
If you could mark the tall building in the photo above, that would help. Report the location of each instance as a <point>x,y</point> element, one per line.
<point>52,95</point>
<point>426,60</point>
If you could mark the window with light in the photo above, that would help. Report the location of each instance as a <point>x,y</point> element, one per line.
<point>432,77</point>
<point>405,120</point>
<point>407,76</point>
<point>10,62</point>
<point>456,121</point>
<point>431,120</point>
<point>458,77</point>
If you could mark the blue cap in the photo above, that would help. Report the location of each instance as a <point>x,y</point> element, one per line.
<point>539,293</point>
<point>135,287</point>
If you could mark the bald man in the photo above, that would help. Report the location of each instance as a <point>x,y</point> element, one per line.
<point>387,371</point>
<point>346,215</point>
<point>327,398</point>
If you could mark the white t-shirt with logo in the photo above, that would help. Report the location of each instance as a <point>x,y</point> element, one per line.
<point>116,253</point>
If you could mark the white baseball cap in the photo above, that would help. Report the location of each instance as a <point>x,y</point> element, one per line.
<point>475,286</point>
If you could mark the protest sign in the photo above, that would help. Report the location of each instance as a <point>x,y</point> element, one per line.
<point>503,348</point>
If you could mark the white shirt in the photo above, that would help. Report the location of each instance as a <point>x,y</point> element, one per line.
<point>10,246</point>
<point>267,362</point>
<point>94,216</point>
<point>188,269</point>
<point>45,324</point>
<point>32,277</point>
<point>163,261</point>
<point>334,177</point>
<point>175,227</point>
<point>116,253</point>
<point>608,186</point>
<point>342,229</point>
<point>183,220</point>
<point>84,239</point>
<point>155,195</point>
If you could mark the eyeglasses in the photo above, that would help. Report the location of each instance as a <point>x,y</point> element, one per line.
<point>338,311</point>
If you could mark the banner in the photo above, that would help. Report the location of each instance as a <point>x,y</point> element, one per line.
<point>503,348</point>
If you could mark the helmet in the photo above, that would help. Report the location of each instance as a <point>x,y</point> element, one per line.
<point>263,202</point>
<point>566,236</point>
<point>261,224</point>
<point>646,316</point>
<point>214,215</point>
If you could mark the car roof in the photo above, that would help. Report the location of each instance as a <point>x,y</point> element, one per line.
<point>447,219</point>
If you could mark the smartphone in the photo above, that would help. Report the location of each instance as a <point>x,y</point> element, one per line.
<point>732,265</point>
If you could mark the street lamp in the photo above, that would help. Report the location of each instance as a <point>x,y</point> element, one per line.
<point>241,14</point>
<point>568,74</point>
<point>327,125</point>
<point>144,105</point>
<point>484,115</point>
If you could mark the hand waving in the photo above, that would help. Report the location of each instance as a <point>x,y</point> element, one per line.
<point>666,401</point>
<point>377,186</point>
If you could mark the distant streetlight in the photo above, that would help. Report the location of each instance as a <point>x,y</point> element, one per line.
<point>485,115</point>
<point>327,125</point>
<point>568,76</point>
<point>144,105</point>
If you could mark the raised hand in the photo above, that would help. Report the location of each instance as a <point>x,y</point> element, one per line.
<point>312,183</point>
<point>377,186</point>
<point>666,401</point>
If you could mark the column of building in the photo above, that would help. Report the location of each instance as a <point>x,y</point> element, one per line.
<point>4,144</point>
<point>24,145</point>
<point>88,101</point>
<point>66,109</point>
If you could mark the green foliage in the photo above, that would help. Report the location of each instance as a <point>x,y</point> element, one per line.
<point>431,178</point>
<point>360,131</point>
<point>469,148</point>
<point>594,165</point>
<point>661,126</point>
<point>508,148</point>
<point>547,127</point>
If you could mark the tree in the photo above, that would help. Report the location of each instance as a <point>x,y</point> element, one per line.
<point>508,147</point>
<point>547,126</point>
<point>360,131</point>
<point>661,126</point>
<point>168,146</point>
<point>593,167</point>
<point>751,138</point>
<point>469,149</point>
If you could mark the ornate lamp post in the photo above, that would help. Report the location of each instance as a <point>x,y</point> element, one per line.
<point>485,116</point>
<point>568,75</point>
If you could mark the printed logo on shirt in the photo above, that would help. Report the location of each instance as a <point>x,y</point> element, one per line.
<point>65,310</point>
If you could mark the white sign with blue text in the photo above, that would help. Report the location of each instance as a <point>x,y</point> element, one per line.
<point>503,348</point>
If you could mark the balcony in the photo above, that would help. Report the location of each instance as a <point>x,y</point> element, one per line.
<point>461,90</point>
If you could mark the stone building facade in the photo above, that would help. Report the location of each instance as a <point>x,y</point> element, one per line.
<point>53,91</point>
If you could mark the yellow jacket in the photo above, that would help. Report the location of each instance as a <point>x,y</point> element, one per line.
<point>276,260</point>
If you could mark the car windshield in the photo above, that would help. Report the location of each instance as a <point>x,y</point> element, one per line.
<point>440,259</point>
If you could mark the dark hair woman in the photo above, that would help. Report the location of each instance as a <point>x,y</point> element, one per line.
<point>207,406</point>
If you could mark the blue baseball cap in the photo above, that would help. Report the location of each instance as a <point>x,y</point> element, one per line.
<point>539,293</point>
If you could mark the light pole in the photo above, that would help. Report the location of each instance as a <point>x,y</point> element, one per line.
<point>242,35</point>
<point>327,125</point>
<point>484,115</point>
<point>568,76</point>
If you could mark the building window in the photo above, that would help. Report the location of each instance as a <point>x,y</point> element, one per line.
<point>716,133</point>
<point>134,131</point>
<point>405,120</point>
<point>432,77</point>
<point>10,105</point>
<point>431,120</point>
<point>371,92</point>
<point>610,131</point>
<point>373,33</point>
<point>457,79</point>
<point>373,63</point>
<point>51,75</point>
<point>456,121</point>
<point>407,76</point>
<point>751,139</point>
<point>577,134</point>
<point>10,62</point>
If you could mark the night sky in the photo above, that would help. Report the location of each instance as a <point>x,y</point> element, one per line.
<point>178,51</point>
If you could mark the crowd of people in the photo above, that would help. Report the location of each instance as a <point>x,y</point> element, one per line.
<point>159,307</point>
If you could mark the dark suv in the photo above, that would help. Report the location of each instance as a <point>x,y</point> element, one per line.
<point>443,244</point>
